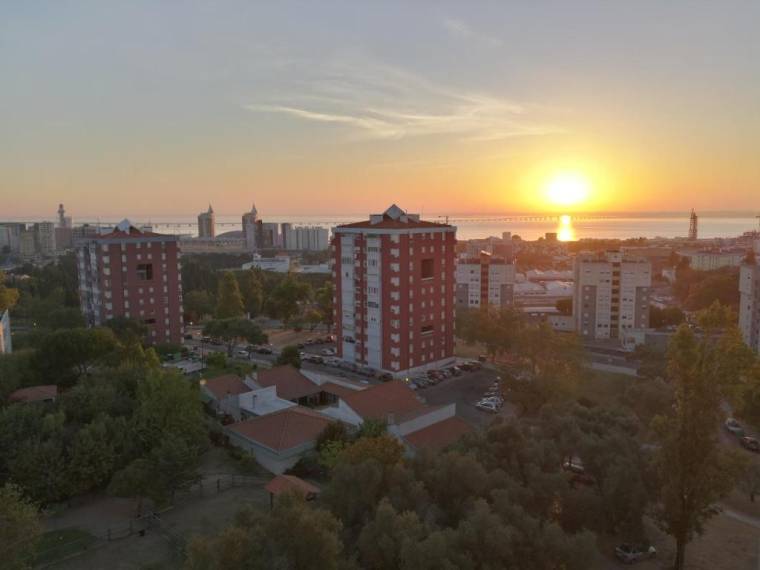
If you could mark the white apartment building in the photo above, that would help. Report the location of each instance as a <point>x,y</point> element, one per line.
<point>611,294</point>
<point>749,304</point>
<point>709,260</point>
<point>484,280</point>
<point>304,238</point>
<point>44,236</point>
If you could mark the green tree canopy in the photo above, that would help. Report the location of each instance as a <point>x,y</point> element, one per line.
<point>229,302</point>
<point>290,355</point>
<point>20,529</point>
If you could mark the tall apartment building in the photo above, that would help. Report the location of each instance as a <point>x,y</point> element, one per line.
<point>484,280</point>
<point>249,228</point>
<point>268,235</point>
<point>27,243</point>
<point>394,292</point>
<point>133,274</point>
<point>304,238</point>
<point>207,223</point>
<point>749,303</point>
<point>44,237</point>
<point>611,294</point>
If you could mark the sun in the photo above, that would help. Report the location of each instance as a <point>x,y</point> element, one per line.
<point>568,189</point>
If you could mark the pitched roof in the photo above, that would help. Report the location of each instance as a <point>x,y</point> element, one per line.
<point>378,401</point>
<point>34,393</point>
<point>227,385</point>
<point>336,389</point>
<point>283,430</point>
<point>290,383</point>
<point>440,434</point>
<point>394,218</point>
<point>284,483</point>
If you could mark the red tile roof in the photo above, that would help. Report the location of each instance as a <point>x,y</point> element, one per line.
<point>283,430</point>
<point>393,397</point>
<point>290,383</point>
<point>439,435</point>
<point>35,393</point>
<point>336,389</point>
<point>284,483</point>
<point>226,385</point>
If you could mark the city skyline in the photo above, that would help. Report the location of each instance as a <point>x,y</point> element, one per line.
<point>157,109</point>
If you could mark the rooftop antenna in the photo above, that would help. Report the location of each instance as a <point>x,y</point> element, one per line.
<point>693,221</point>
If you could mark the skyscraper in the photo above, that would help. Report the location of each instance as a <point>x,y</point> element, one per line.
<point>133,274</point>
<point>394,292</point>
<point>249,228</point>
<point>207,223</point>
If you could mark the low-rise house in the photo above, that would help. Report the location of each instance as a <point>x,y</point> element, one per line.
<point>221,393</point>
<point>44,393</point>
<point>278,440</point>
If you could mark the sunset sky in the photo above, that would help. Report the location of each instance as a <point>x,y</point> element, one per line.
<point>156,108</point>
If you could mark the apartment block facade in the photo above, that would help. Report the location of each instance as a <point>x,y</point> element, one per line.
<point>484,280</point>
<point>611,294</point>
<point>207,223</point>
<point>304,238</point>
<point>749,303</point>
<point>133,274</point>
<point>395,292</point>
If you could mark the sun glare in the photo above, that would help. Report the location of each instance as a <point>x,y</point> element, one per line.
<point>568,189</point>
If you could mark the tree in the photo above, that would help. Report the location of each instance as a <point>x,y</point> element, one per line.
<point>290,355</point>
<point>324,300</point>
<point>73,352</point>
<point>198,304</point>
<point>217,360</point>
<point>20,529</point>
<point>252,292</point>
<point>8,296</point>
<point>127,330</point>
<point>233,329</point>
<point>229,300</point>
<point>385,450</point>
<point>384,540</point>
<point>285,300</point>
<point>667,317</point>
<point>716,317</point>
<point>91,457</point>
<point>693,472</point>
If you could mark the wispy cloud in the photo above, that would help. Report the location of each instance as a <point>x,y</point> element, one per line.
<point>461,29</point>
<point>386,102</point>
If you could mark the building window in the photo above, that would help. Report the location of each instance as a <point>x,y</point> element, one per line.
<point>427,329</point>
<point>145,271</point>
<point>428,266</point>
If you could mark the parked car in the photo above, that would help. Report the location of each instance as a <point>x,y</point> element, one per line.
<point>734,427</point>
<point>487,407</point>
<point>331,361</point>
<point>242,353</point>
<point>264,350</point>
<point>385,377</point>
<point>630,553</point>
<point>483,358</point>
<point>328,351</point>
<point>750,443</point>
<point>494,400</point>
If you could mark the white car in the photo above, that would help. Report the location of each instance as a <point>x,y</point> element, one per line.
<point>243,353</point>
<point>328,351</point>
<point>487,407</point>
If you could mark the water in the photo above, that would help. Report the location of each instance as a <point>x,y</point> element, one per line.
<point>526,226</point>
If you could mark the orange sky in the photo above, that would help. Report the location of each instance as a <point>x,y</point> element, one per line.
<point>151,110</point>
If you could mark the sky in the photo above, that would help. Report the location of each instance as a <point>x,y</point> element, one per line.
<point>156,108</point>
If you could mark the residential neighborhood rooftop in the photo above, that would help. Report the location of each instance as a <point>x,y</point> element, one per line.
<point>227,385</point>
<point>376,402</point>
<point>440,434</point>
<point>283,430</point>
<point>34,393</point>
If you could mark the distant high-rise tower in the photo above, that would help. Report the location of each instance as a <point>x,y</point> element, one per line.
<point>207,224</point>
<point>64,221</point>
<point>693,221</point>
<point>249,228</point>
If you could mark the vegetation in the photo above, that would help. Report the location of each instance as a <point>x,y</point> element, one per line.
<point>693,472</point>
<point>698,290</point>
<point>229,304</point>
<point>232,330</point>
<point>667,317</point>
<point>290,355</point>
<point>20,528</point>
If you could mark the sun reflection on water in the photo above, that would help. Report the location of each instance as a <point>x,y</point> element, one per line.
<point>565,231</point>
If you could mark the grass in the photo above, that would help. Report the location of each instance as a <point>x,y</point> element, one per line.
<point>58,544</point>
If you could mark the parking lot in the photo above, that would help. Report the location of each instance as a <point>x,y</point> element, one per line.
<point>466,390</point>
